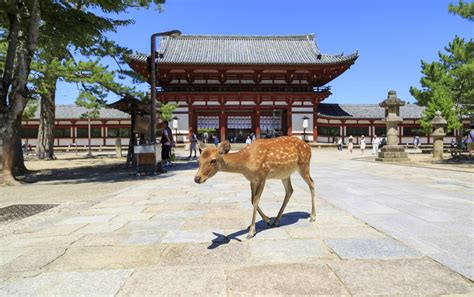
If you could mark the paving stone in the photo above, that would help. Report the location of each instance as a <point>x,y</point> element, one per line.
<point>32,260</point>
<point>378,248</point>
<point>176,281</point>
<point>86,219</point>
<point>127,209</point>
<point>296,250</point>
<point>108,257</point>
<point>143,238</point>
<point>415,277</point>
<point>133,217</point>
<point>53,241</point>
<point>198,254</point>
<point>7,256</point>
<point>106,227</point>
<point>284,280</point>
<point>313,231</point>
<point>164,224</point>
<point>214,222</point>
<point>102,239</point>
<point>184,236</point>
<point>94,283</point>
<point>56,230</point>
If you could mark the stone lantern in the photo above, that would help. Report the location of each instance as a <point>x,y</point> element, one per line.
<point>392,152</point>
<point>438,134</point>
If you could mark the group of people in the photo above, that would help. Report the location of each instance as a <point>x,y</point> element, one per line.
<point>377,144</point>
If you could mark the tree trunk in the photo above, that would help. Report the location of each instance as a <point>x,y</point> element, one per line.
<point>19,165</point>
<point>45,145</point>
<point>11,112</point>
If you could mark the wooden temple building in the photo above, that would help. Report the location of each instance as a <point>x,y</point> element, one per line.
<point>240,85</point>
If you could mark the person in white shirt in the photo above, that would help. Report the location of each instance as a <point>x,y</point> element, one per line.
<point>362,144</point>
<point>375,145</point>
<point>248,140</point>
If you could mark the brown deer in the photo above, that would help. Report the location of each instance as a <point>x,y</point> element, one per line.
<point>275,158</point>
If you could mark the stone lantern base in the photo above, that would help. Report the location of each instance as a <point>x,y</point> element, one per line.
<point>393,153</point>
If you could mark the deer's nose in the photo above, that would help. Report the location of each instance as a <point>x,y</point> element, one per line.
<point>197,179</point>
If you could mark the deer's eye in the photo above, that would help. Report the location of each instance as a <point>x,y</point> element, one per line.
<point>214,161</point>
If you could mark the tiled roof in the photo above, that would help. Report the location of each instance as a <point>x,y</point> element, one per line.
<point>228,49</point>
<point>366,111</point>
<point>70,111</point>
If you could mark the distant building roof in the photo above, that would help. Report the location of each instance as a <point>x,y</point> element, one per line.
<point>238,49</point>
<point>366,111</point>
<point>69,111</point>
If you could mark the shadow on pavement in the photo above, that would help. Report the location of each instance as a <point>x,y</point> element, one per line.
<point>104,173</point>
<point>286,219</point>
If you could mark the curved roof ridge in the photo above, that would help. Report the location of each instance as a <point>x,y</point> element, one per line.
<point>236,36</point>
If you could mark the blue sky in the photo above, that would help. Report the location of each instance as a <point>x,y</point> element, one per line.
<point>391,36</point>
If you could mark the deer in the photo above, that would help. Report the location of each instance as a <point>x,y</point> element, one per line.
<point>276,158</point>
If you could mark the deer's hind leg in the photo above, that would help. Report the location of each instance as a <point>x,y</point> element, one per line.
<point>288,191</point>
<point>304,172</point>
<point>265,218</point>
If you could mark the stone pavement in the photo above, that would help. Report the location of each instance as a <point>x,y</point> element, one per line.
<point>170,236</point>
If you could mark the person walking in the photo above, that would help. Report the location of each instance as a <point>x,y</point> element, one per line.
<point>375,145</point>
<point>362,144</point>
<point>216,140</point>
<point>192,145</point>
<point>339,144</point>
<point>205,137</point>
<point>350,146</point>
<point>166,140</point>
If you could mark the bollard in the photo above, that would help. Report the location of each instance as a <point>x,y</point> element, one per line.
<point>118,148</point>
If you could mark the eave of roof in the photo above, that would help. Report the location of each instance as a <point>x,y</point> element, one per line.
<point>243,50</point>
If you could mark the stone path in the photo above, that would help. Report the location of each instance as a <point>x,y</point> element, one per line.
<point>169,236</point>
<point>430,210</point>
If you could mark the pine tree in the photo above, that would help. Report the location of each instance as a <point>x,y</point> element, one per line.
<point>448,84</point>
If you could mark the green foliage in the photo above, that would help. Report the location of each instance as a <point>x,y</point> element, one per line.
<point>442,101</point>
<point>166,111</point>
<point>465,10</point>
<point>30,109</point>
<point>448,84</point>
<point>89,101</point>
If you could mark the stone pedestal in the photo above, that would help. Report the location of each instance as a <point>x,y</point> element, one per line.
<point>438,135</point>
<point>118,148</point>
<point>392,152</point>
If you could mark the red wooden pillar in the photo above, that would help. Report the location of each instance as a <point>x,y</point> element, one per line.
<point>315,122</point>
<point>190,117</point>
<point>289,122</point>
<point>257,122</point>
<point>222,124</point>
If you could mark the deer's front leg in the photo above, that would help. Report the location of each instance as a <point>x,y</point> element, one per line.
<point>259,186</point>
<point>265,218</point>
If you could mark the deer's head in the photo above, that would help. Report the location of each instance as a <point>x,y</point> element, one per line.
<point>209,161</point>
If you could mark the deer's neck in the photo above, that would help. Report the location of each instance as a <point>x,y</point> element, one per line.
<point>233,162</point>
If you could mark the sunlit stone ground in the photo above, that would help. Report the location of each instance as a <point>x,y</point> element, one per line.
<point>381,229</point>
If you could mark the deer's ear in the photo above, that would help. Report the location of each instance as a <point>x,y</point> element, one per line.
<point>224,147</point>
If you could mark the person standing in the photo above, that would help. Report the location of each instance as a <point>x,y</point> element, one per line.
<point>339,144</point>
<point>192,145</point>
<point>362,144</point>
<point>248,140</point>
<point>205,137</point>
<point>375,145</point>
<point>166,140</point>
<point>350,146</point>
<point>216,140</point>
<point>254,138</point>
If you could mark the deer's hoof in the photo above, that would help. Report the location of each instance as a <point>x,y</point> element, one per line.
<point>250,236</point>
<point>312,219</point>
<point>275,224</point>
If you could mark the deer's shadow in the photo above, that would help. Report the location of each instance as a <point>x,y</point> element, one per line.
<point>260,226</point>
